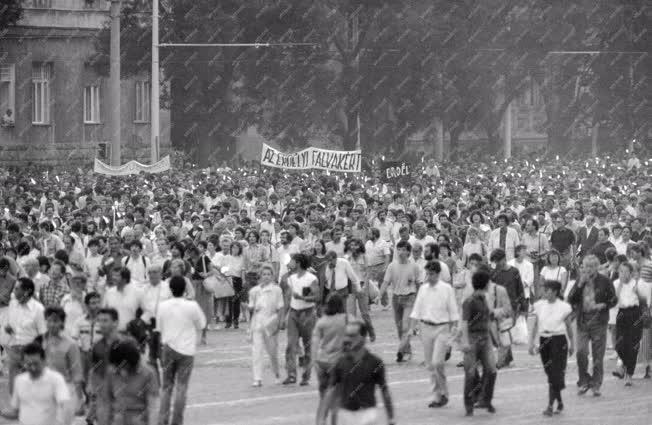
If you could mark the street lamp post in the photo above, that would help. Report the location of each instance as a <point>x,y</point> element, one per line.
<point>155,101</point>
<point>114,83</point>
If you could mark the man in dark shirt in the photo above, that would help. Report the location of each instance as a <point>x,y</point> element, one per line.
<point>509,278</point>
<point>591,298</point>
<point>563,240</point>
<point>602,245</point>
<point>107,319</point>
<point>353,382</point>
<point>477,345</point>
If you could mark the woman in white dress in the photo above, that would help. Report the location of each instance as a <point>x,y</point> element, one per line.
<point>553,271</point>
<point>266,307</point>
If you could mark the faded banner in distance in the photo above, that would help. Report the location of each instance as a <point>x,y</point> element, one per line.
<point>131,167</point>
<point>322,159</point>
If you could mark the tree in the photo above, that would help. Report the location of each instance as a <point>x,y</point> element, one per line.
<point>10,13</point>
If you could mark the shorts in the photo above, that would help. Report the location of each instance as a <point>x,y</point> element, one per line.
<point>359,417</point>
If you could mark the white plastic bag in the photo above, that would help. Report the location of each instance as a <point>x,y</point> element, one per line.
<point>519,331</point>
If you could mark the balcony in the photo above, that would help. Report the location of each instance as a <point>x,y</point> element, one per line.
<point>83,14</point>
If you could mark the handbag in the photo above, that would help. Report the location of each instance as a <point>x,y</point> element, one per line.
<point>219,285</point>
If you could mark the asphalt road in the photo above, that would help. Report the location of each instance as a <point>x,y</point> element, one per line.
<point>221,394</point>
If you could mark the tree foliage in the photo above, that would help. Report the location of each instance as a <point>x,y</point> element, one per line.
<point>10,13</point>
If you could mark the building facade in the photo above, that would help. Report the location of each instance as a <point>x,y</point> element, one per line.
<point>54,105</point>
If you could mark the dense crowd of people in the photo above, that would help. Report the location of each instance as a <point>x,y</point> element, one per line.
<point>108,284</point>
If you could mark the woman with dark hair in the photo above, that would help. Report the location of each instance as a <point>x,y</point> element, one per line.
<point>318,257</point>
<point>233,267</point>
<point>201,270</point>
<point>552,323</point>
<point>327,339</point>
<point>355,252</point>
<point>131,388</point>
<point>553,270</point>
<point>631,293</point>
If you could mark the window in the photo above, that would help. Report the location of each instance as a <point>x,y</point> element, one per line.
<point>7,95</point>
<point>143,95</point>
<point>44,4</point>
<point>91,105</point>
<point>41,76</point>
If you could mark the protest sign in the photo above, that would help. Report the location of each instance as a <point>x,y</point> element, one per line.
<point>322,159</point>
<point>395,171</point>
<point>131,167</point>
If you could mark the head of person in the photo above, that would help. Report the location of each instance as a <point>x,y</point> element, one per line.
<point>57,270</point>
<point>433,270</point>
<point>403,249</point>
<point>31,266</point>
<point>334,304</point>
<point>155,272</point>
<point>177,286</point>
<point>625,272</point>
<point>480,279</point>
<point>553,258</point>
<point>498,257</point>
<point>590,264</point>
<point>603,235</point>
<point>93,302</point>
<point>355,337</point>
<point>474,261</point>
<point>417,250</point>
<point>552,290</point>
<point>301,262</point>
<point>55,317</point>
<point>502,220</point>
<point>107,321</point>
<point>177,267</point>
<point>24,290</point>
<point>266,274</point>
<point>135,248</point>
<point>331,258</point>
<point>124,356</point>
<point>431,251</point>
<point>34,359</point>
<point>520,251</point>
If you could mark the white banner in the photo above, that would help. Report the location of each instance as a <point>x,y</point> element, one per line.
<point>131,167</point>
<point>322,159</point>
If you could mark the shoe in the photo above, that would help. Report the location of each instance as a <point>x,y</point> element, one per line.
<point>236,326</point>
<point>304,383</point>
<point>628,380</point>
<point>596,392</point>
<point>399,357</point>
<point>583,390</point>
<point>482,405</point>
<point>443,401</point>
<point>548,411</point>
<point>290,380</point>
<point>460,364</point>
<point>372,338</point>
<point>648,372</point>
<point>228,326</point>
<point>469,412</point>
<point>560,408</point>
<point>614,356</point>
<point>277,380</point>
<point>257,384</point>
<point>618,374</point>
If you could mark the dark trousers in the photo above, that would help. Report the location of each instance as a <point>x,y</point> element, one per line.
<point>154,348</point>
<point>481,353</point>
<point>235,301</point>
<point>300,326</point>
<point>176,375</point>
<point>629,331</point>
<point>594,334</point>
<point>554,356</point>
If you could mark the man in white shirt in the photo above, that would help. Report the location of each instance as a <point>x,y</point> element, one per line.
<point>436,308</point>
<point>179,321</point>
<point>25,322</point>
<point>136,263</point>
<point>154,293</point>
<point>40,395</point>
<point>124,296</point>
<point>285,252</point>
<point>420,233</point>
<point>338,273</point>
<point>92,265</point>
<point>378,253</point>
<point>525,268</point>
<point>302,293</point>
<point>504,237</point>
<point>337,243</point>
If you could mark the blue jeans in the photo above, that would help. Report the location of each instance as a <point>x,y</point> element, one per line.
<point>402,306</point>
<point>480,353</point>
<point>176,375</point>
